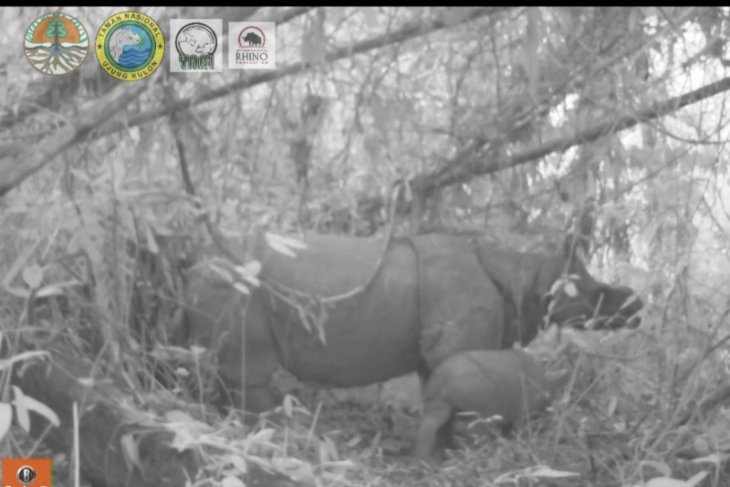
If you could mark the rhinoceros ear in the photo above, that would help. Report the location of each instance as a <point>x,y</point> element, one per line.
<point>576,247</point>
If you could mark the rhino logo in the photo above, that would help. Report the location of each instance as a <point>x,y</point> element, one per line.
<point>252,36</point>
<point>252,39</point>
<point>253,45</point>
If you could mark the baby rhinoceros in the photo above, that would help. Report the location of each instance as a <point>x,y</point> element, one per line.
<point>508,383</point>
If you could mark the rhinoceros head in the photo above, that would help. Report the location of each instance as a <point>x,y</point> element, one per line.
<point>577,299</point>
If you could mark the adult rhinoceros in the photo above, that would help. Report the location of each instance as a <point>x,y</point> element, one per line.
<point>428,297</point>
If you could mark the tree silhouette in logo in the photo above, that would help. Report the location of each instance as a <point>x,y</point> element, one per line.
<point>57,31</point>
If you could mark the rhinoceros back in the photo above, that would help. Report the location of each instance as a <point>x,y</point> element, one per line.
<point>370,336</point>
<point>330,265</point>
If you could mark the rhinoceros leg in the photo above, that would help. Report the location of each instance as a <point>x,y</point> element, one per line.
<point>261,356</point>
<point>437,413</point>
<point>444,437</point>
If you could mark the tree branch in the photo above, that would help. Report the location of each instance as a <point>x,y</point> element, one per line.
<point>15,168</point>
<point>471,163</point>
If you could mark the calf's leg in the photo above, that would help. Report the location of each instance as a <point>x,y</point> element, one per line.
<point>436,414</point>
<point>445,434</point>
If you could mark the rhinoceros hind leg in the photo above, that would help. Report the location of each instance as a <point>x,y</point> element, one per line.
<point>445,434</point>
<point>436,414</point>
<point>257,398</point>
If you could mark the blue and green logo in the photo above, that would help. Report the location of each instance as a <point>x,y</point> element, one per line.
<point>130,46</point>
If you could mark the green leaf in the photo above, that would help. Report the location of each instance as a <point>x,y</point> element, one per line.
<point>547,472</point>
<point>249,272</point>
<point>666,482</point>
<point>21,412</point>
<point>6,417</point>
<point>284,245</point>
<point>712,458</point>
<point>222,272</point>
<point>288,406</point>
<point>131,451</point>
<point>150,237</point>
<point>231,481</point>
<point>697,478</point>
<point>238,463</point>
<point>32,354</point>
<point>612,404</point>
<point>260,438</point>
<point>24,403</point>
<point>241,288</point>
<point>327,450</point>
<point>176,415</point>
<point>33,275</point>
<point>56,289</point>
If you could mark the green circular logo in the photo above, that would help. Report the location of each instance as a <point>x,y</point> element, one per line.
<point>56,44</point>
<point>130,46</point>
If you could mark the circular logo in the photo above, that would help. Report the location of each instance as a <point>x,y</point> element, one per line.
<point>56,44</point>
<point>196,39</point>
<point>130,46</point>
<point>26,475</point>
<point>251,36</point>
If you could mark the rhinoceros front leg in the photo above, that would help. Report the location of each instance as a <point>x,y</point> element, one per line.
<point>255,399</point>
<point>434,425</point>
<point>261,360</point>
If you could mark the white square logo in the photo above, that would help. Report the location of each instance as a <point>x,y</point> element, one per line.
<point>197,45</point>
<point>251,45</point>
